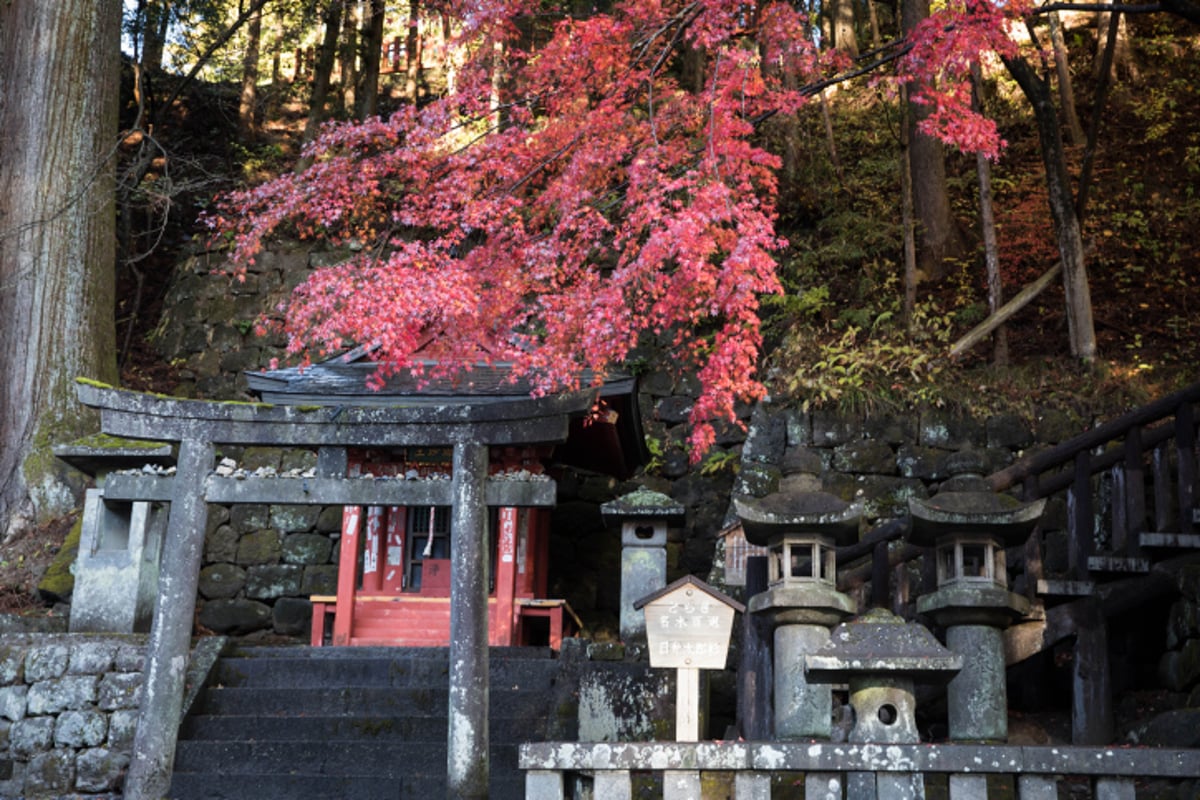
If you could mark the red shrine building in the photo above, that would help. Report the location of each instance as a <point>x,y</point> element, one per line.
<point>393,585</point>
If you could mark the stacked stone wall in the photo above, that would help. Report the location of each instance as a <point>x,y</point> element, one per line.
<point>68,711</point>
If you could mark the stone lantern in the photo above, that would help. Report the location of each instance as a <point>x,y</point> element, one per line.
<point>969,526</point>
<point>882,657</point>
<point>800,531</point>
<point>644,516</point>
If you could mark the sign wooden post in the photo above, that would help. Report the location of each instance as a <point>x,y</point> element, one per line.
<point>687,626</point>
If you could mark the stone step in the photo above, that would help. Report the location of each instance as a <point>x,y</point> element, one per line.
<point>198,786</point>
<point>335,757</point>
<point>364,701</point>
<point>330,727</point>
<point>302,671</point>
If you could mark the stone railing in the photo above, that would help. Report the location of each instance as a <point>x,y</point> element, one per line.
<point>860,771</point>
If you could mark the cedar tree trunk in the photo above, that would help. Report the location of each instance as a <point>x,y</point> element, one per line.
<point>940,239</point>
<point>58,110</point>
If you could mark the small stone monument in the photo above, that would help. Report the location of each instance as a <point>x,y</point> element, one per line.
<point>800,530</point>
<point>688,625</point>
<point>644,516</point>
<point>969,526</point>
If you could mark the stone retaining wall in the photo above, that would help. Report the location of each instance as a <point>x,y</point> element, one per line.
<point>68,711</point>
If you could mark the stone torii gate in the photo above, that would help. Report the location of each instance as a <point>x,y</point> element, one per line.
<point>197,426</point>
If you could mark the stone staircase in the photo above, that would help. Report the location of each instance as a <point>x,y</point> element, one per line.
<point>356,722</point>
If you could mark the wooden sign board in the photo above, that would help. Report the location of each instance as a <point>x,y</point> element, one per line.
<point>688,625</point>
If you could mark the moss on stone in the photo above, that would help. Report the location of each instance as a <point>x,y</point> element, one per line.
<point>94,383</point>
<point>58,582</point>
<point>104,441</point>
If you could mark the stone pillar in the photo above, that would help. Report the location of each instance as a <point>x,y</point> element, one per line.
<point>149,775</point>
<point>802,710</point>
<point>467,737</point>
<point>977,697</point>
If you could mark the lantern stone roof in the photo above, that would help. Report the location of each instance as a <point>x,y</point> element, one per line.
<point>798,512</point>
<point>966,505</point>
<point>880,643</point>
<point>643,503</point>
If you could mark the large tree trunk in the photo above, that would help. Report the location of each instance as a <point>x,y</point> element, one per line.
<point>322,73</point>
<point>1066,88</point>
<point>59,74</point>
<point>372,52</point>
<point>412,53</point>
<point>842,23</point>
<point>154,33</point>
<point>940,239</point>
<point>248,101</point>
<point>348,57</point>
<point>1081,327</point>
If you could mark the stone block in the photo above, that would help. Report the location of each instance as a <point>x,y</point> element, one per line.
<point>12,662</point>
<point>100,770</point>
<point>221,580</point>
<point>235,616</point>
<point>871,457</point>
<point>1008,430</point>
<point>13,702</point>
<point>831,428</point>
<point>130,658</point>
<point>221,544</point>
<point>890,429</point>
<point>31,735</point>
<point>45,662</point>
<point>122,725</point>
<point>80,729</point>
<point>273,580</point>
<point>292,519</point>
<point>767,438</point>
<point>292,616</point>
<point>51,772</point>
<point>306,548</point>
<point>260,547</point>
<point>757,480</point>
<point>940,428</point>
<point>67,693</point>
<point>217,516</point>
<point>1182,623</point>
<point>259,457</point>
<point>120,690</point>
<point>91,658</point>
<point>297,459</point>
<point>887,496</point>
<point>925,463</point>
<point>1188,581</point>
<point>241,357</point>
<point>676,463</point>
<point>249,517</point>
<point>673,410</point>
<point>330,519</point>
<point>319,580</point>
<point>799,428</point>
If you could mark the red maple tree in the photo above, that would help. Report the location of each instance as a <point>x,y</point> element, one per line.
<point>567,201</point>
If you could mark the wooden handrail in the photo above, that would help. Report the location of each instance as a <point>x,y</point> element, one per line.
<point>1065,453</point>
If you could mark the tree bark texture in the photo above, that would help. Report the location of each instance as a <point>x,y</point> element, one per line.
<point>1067,229</point>
<point>322,74</point>
<point>1066,87</point>
<point>372,52</point>
<point>154,33</point>
<point>940,238</point>
<point>412,53</point>
<point>843,27</point>
<point>248,100</point>
<point>348,57</point>
<point>58,110</point>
